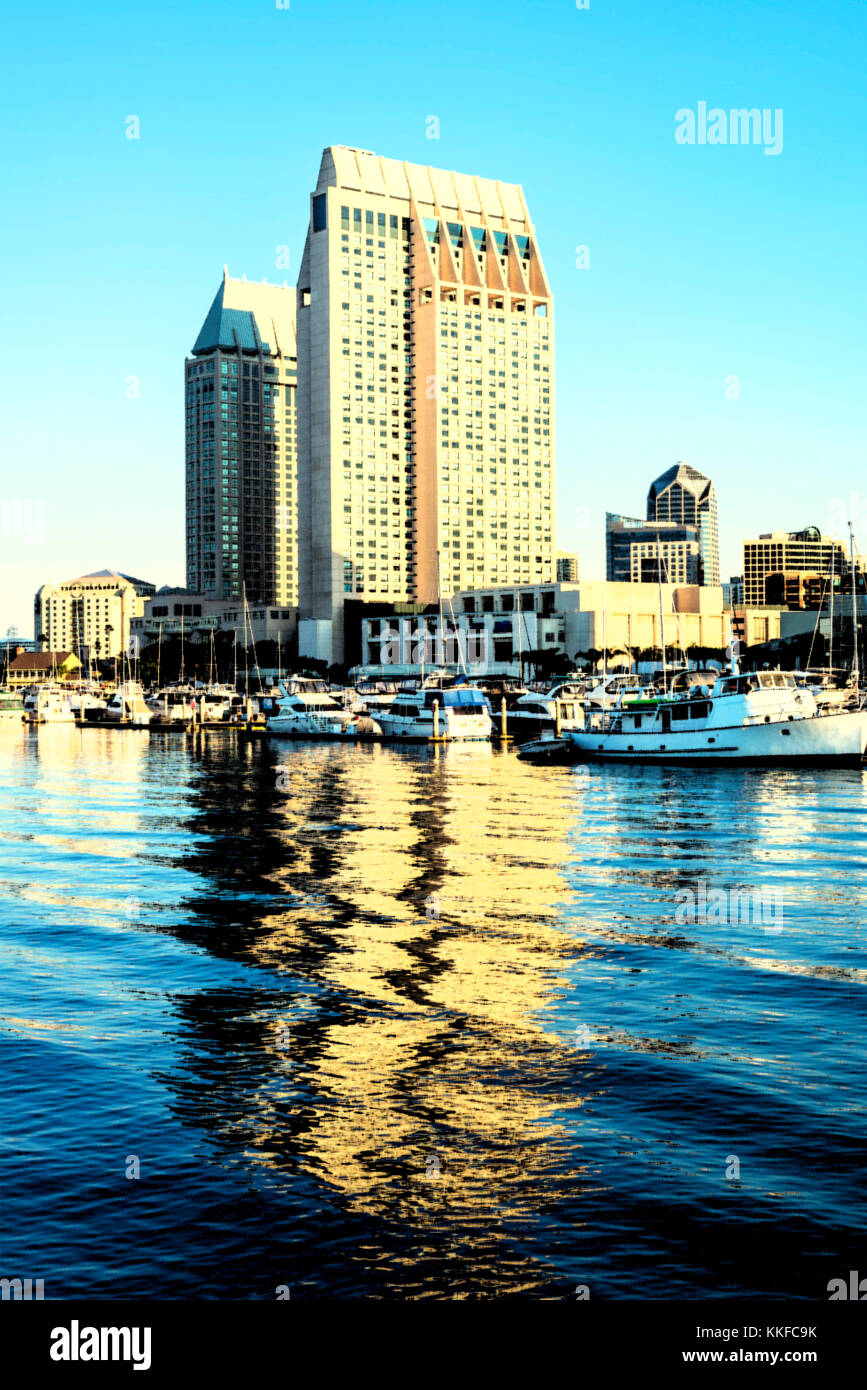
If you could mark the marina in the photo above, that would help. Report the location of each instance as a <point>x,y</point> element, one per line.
<point>673,716</point>
<point>379,1003</point>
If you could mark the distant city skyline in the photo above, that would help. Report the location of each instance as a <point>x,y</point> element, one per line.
<point>708,304</point>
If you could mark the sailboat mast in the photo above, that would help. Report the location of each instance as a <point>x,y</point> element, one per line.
<point>246,658</point>
<point>520,637</point>
<point>661,617</point>
<point>855,668</point>
<point>440,598</point>
<point>831,628</point>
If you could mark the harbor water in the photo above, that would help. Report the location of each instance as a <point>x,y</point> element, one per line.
<point>365,1021</point>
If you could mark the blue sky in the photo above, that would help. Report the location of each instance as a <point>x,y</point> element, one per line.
<point>706,262</point>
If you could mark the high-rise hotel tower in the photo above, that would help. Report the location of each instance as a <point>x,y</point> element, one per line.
<point>425,389</point>
<point>241,446</point>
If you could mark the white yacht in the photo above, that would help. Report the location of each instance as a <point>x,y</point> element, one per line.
<point>86,705</point>
<point>758,717</point>
<point>609,690</point>
<point>127,706</point>
<point>462,712</point>
<point>307,709</point>
<point>827,693</point>
<point>534,714</point>
<point>375,695</point>
<point>50,704</point>
<point>178,705</point>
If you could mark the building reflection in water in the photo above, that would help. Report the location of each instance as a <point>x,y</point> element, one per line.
<point>403,910</point>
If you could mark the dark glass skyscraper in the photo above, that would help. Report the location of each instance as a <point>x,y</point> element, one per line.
<point>681,494</point>
<point>241,446</point>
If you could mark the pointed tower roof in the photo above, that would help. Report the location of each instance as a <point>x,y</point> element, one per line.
<point>684,473</point>
<point>250,316</point>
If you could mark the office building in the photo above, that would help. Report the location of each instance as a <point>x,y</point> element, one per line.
<point>426,392</point>
<point>733,591</point>
<point>686,497</point>
<point>786,554</point>
<point>90,615</point>
<point>644,552</point>
<point>241,446</point>
<point>568,568</point>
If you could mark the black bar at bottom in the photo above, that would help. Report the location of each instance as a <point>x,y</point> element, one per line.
<point>84,1340</point>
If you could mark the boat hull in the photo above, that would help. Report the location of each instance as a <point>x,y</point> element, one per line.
<point>830,738</point>
<point>468,728</point>
<point>349,730</point>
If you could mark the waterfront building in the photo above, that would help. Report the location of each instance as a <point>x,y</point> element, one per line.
<point>241,446</point>
<point>568,568</point>
<point>489,629</point>
<point>38,668</point>
<point>426,391</point>
<point>683,495</point>
<point>90,614</point>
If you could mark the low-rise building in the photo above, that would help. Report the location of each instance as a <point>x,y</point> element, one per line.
<point>173,610</point>
<point>491,630</point>
<point>36,668</point>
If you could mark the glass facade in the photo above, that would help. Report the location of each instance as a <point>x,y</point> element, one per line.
<point>241,449</point>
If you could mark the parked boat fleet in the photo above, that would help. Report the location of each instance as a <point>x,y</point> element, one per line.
<point>685,716</point>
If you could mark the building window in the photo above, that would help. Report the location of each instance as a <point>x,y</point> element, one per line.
<point>319,215</point>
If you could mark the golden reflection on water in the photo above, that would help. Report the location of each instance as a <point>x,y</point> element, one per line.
<point>443,889</point>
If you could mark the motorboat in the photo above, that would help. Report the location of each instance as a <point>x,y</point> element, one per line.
<point>828,692</point>
<point>755,717</point>
<point>536,713</point>
<point>610,690</point>
<point>11,707</point>
<point>306,708</point>
<point>127,706</point>
<point>438,709</point>
<point>50,704</point>
<point>181,704</point>
<point>375,695</point>
<point>86,705</point>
